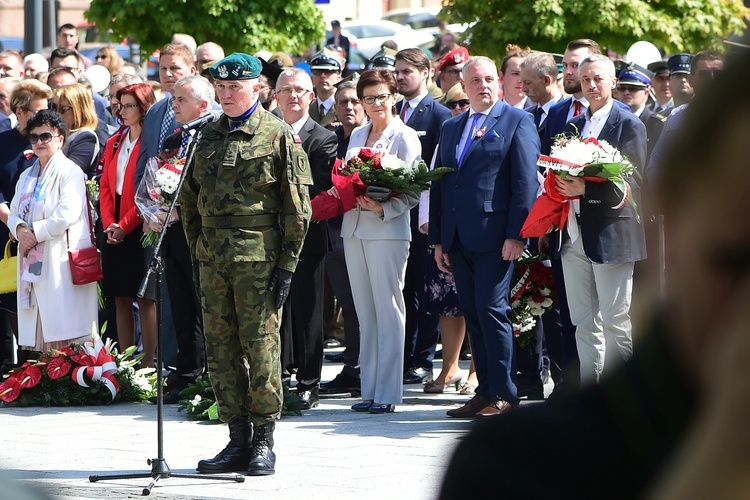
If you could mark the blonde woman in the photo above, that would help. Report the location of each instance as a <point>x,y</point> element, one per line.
<point>110,59</point>
<point>75,105</point>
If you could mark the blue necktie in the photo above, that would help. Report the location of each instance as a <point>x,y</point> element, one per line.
<point>166,123</point>
<point>470,138</point>
<point>184,144</point>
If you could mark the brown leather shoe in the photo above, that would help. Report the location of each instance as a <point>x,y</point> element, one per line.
<point>494,409</point>
<point>471,407</point>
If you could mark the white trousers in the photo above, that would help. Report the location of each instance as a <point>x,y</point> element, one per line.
<point>599,300</point>
<point>376,272</point>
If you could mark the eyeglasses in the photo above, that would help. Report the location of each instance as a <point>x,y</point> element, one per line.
<point>709,74</point>
<point>44,137</point>
<point>60,109</point>
<point>128,106</point>
<point>372,99</point>
<point>101,56</point>
<point>461,103</point>
<point>296,91</point>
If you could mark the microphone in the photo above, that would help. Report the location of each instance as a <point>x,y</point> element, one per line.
<point>199,122</point>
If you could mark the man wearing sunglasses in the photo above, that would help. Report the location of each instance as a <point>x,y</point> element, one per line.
<point>419,111</point>
<point>704,67</point>
<point>449,70</point>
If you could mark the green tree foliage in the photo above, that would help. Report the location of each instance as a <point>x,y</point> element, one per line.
<point>548,25</point>
<point>236,25</point>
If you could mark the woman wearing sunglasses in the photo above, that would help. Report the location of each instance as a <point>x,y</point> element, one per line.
<point>48,217</point>
<point>124,260</point>
<point>110,59</point>
<point>376,244</point>
<point>75,105</point>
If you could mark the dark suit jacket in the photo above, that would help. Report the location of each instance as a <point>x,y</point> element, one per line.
<point>83,148</point>
<point>614,236</point>
<point>149,142</point>
<point>489,198</point>
<point>654,124</point>
<point>329,121</point>
<point>426,119</point>
<point>343,43</point>
<point>320,146</point>
<point>4,123</point>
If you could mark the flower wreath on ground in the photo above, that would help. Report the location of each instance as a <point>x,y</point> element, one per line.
<point>156,192</point>
<point>532,294</point>
<point>591,159</point>
<point>368,167</point>
<point>94,373</point>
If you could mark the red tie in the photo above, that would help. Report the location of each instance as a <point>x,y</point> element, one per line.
<point>403,111</point>
<point>577,110</point>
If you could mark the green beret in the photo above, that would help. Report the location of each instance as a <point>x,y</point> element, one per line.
<point>237,66</point>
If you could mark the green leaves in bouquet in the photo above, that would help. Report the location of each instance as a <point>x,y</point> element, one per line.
<point>403,180</point>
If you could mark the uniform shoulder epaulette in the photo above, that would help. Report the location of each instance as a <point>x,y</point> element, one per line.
<point>660,117</point>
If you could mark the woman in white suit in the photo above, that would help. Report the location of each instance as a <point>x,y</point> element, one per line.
<point>376,245</point>
<point>48,217</point>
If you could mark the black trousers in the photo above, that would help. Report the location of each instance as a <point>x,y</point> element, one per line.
<point>185,306</point>
<point>302,322</point>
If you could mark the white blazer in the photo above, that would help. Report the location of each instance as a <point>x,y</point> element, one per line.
<point>402,141</point>
<point>67,311</point>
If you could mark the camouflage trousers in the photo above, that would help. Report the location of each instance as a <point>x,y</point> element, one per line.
<point>241,325</point>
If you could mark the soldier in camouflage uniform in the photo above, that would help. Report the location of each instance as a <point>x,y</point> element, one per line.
<point>246,211</point>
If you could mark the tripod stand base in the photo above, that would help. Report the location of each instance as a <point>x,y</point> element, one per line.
<point>160,470</point>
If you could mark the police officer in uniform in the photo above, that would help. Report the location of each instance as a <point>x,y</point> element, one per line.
<point>326,67</point>
<point>633,85</point>
<point>246,210</point>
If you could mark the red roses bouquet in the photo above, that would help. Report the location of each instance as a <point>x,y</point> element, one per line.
<point>92,373</point>
<point>591,159</point>
<point>533,293</point>
<point>368,168</point>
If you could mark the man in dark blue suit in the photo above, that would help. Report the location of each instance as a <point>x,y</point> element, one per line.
<point>4,123</point>
<point>420,112</point>
<point>476,214</point>
<point>175,61</point>
<point>604,238</point>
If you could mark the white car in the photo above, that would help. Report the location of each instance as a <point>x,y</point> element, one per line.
<point>422,19</point>
<point>371,34</point>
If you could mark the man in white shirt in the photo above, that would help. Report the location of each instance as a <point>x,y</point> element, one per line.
<point>326,67</point>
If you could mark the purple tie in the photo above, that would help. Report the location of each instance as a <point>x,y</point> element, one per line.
<point>470,138</point>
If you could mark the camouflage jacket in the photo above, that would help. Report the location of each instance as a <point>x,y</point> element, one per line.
<point>245,197</point>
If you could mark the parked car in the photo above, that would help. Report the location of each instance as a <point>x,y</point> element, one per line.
<point>422,19</point>
<point>371,34</point>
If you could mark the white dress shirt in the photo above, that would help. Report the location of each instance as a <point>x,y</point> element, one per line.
<point>595,121</point>
<point>297,126</point>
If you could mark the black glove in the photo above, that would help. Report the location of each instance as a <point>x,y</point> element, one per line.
<point>281,281</point>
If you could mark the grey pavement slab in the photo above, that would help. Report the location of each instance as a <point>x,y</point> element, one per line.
<point>329,452</point>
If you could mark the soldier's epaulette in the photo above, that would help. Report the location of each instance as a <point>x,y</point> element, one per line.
<point>297,140</point>
<point>659,117</point>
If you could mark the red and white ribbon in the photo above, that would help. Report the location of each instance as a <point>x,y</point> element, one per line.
<point>100,365</point>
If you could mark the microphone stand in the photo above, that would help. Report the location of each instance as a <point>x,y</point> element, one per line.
<point>159,467</point>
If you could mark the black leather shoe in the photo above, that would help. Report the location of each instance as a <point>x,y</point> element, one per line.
<point>308,398</point>
<point>343,383</point>
<point>417,376</point>
<point>263,459</point>
<point>337,357</point>
<point>237,454</point>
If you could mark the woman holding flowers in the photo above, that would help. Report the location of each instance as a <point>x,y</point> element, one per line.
<point>376,244</point>
<point>124,259</point>
<point>48,218</point>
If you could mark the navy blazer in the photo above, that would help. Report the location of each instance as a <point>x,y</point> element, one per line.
<point>614,236</point>
<point>488,199</point>
<point>4,123</point>
<point>426,119</point>
<point>150,145</point>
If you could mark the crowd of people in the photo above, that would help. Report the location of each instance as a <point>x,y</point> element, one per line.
<point>248,274</point>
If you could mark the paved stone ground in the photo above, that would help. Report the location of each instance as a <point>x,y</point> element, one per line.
<point>330,452</point>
